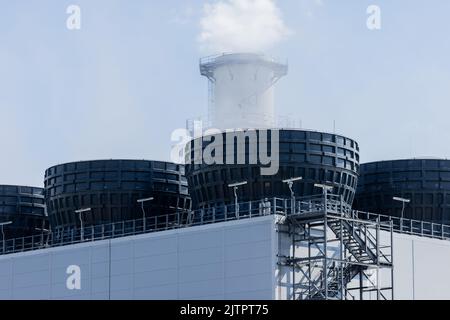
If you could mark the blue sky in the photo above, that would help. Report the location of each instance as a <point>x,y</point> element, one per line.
<point>118,87</point>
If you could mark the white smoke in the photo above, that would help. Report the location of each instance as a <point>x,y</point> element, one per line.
<point>241,26</point>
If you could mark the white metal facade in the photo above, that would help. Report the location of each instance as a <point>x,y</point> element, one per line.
<point>230,260</point>
<point>233,260</point>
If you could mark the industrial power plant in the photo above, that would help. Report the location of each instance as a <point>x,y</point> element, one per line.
<point>256,212</point>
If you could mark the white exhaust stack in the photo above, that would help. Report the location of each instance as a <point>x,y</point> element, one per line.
<point>242,90</point>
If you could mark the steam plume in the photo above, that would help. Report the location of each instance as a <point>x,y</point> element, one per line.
<point>241,26</point>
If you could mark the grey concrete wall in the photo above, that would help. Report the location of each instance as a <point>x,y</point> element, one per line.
<point>233,260</point>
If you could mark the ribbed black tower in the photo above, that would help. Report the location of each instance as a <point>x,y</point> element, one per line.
<point>25,208</point>
<point>425,182</point>
<point>317,157</point>
<point>111,189</point>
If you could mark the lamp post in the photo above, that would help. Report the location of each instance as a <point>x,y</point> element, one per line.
<point>43,230</point>
<point>2,224</point>
<point>290,183</point>
<point>325,189</point>
<point>404,201</point>
<point>235,187</point>
<point>142,201</point>
<point>80,213</point>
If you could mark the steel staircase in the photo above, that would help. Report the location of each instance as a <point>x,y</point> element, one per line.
<point>334,281</point>
<point>356,241</point>
<point>328,272</point>
<point>361,246</point>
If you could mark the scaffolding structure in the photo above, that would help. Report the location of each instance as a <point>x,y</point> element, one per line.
<point>334,255</point>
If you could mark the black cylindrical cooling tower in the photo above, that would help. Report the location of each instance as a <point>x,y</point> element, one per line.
<point>317,157</point>
<point>425,183</point>
<point>24,207</point>
<point>111,189</point>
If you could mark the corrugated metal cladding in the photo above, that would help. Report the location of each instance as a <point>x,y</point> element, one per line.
<point>25,208</point>
<point>233,260</point>
<point>111,189</point>
<point>426,182</point>
<point>316,156</point>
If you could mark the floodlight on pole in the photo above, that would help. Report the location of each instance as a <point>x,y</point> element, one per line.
<point>324,187</point>
<point>293,179</point>
<point>43,230</point>
<point>80,214</point>
<point>404,201</point>
<point>235,187</point>
<point>142,201</point>
<point>2,224</point>
<point>290,183</point>
<point>238,184</point>
<point>401,199</point>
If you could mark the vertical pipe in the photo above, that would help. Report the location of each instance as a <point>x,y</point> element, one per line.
<point>378,258</point>
<point>293,264</point>
<point>378,282</point>
<point>345,253</point>
<point>236,205</point>
<point>361,285</point>
<point>82,229</point>
<point>143,217</point>
<point>341,257</point>
<point>3,240</point>
<point>392,259</point>
<point>325,246</point>
<point>365,236</point>
<point>309,262</point>
<point>291,184</point>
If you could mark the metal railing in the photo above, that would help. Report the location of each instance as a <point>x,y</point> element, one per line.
<point>408,226</point>
<point>182,219</point>
<point>244,210</point>
<point>402,225</point>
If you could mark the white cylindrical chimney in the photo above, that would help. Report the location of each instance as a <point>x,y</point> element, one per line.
<point>243,90</point>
